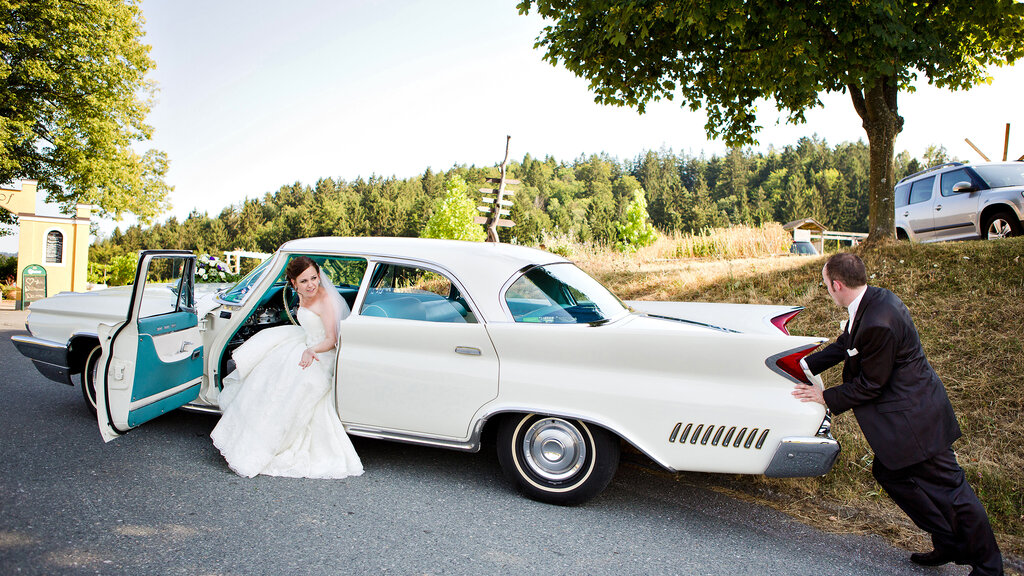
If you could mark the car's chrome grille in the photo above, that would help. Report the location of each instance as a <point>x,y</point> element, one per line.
<point>725,436</point>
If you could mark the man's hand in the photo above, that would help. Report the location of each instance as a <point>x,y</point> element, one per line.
<point>807,393</point>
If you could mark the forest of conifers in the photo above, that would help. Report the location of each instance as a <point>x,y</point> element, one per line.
<point>583,199</point>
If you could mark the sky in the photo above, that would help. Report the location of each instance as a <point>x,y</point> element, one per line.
<point>257,94</point>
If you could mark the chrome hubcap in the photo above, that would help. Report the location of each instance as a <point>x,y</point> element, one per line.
<point>554,449</point>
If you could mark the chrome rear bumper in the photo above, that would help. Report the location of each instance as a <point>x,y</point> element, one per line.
<point>803,456</point>
<point>50,358</point>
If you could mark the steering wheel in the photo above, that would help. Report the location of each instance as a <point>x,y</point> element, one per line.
<point>536,315</point>
<point>286,301</point>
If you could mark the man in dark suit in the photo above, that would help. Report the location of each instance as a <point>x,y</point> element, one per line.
<point>905,414</point>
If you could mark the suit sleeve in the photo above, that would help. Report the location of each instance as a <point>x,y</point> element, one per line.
<point>828,356</point>
<point>876,354</point>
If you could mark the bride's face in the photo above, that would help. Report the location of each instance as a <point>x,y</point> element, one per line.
<point>307,283</point>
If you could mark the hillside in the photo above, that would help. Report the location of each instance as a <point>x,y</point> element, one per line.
<point>967,299</point>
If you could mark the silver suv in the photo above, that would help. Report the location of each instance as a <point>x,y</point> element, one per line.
<point>956,201</point>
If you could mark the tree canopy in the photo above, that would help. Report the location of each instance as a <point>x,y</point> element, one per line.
<point>590,198</point>
<point>724,56</point>
<point>73,103</point>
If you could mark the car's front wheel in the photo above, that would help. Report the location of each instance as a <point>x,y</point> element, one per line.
<point>89,377</point>
<point>557,460</point>
<point>1000,225</point>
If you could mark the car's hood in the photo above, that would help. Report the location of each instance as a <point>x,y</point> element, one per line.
<point>59,316</point>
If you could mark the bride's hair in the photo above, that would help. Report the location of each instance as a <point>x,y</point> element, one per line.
<point>298,266</point>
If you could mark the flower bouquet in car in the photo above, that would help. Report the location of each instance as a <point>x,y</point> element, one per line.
<point>212,269</point>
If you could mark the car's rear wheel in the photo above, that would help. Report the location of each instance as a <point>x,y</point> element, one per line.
<point>1000,225</point>
<point>557,460</point>
<point>89,376</point>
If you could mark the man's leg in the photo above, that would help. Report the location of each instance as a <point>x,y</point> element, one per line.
<point>937,498</point>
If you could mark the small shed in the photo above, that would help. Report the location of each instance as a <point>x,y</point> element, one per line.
<point>807,230</point>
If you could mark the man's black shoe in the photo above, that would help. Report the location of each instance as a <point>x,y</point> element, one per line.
<point>933,558</point>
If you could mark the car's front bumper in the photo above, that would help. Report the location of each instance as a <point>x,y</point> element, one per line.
<point>799,456</point>
<point>50,358</point>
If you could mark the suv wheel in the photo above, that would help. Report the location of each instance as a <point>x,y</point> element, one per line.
<point>1000,225</point>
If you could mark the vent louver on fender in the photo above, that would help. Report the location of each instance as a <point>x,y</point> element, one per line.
<point>725,436</point>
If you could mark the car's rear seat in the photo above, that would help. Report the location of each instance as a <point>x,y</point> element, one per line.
<point>412,308</point>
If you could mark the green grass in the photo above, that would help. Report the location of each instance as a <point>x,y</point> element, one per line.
<point>967,300</point>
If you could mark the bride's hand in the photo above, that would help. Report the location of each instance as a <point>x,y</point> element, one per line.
<point>308,356</point>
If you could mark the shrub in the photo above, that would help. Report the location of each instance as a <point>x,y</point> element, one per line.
<point>453,215</point>
<point>122,269</point>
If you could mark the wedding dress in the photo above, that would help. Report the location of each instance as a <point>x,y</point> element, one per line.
<point>279,419</point>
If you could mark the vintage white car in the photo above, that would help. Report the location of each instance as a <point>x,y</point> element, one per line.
<point>448,340</point>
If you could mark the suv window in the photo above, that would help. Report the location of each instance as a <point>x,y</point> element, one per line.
<point>921,190</point>
<point>1002,175</point>
<point>954,177</point>
<point>902,195</point>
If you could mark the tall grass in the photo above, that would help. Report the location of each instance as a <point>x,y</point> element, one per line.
<point>710,243</point>
<point>967,300</point>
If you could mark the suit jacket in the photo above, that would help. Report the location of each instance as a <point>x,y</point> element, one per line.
<point>898,399</point>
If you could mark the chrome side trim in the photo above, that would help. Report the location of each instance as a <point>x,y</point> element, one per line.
<point>135,405</point>
<point>201,408</point>
<point>50,358</point>
<point>472,445</point>
<point>800,456</point>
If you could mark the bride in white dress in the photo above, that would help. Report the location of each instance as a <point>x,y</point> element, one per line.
<point>279,416</point>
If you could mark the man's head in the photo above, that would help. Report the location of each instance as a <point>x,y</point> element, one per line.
<point>844,274</point>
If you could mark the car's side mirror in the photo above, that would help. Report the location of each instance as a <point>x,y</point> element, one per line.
<point>961,187</point>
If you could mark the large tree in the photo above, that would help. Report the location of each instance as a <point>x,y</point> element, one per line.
<point>722,56</point>
<point>73,102</point>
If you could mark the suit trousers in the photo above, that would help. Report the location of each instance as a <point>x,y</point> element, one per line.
<point>937,498</point>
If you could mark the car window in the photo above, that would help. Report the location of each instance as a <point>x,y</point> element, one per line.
<point>954,177</point>
<point>921,190</point>
<point>902,195</point>
<point>346,273</point>
<point>413,293</point>
<point>1002,175</point>
<point>240,291</point>
<point>560,294</point>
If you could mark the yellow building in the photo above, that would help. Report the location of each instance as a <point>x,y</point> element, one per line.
<point>60,245</point>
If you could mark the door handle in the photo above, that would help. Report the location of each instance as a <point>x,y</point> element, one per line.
<point>906,214</point>
<point>467,350</point>
<point>939,207</point>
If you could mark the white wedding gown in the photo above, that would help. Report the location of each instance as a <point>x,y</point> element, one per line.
<point>279,419</point>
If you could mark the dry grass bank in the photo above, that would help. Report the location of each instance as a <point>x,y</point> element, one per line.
<point>967,299</point>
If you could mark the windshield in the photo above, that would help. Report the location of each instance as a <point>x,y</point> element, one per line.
<point>561,294</point>
<point>1002,175</point>
<point>238,293</point>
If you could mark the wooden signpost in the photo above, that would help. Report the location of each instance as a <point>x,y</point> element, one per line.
<point>495,204</point>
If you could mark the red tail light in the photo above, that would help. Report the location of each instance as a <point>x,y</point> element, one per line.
<point>783,319</point>
<point>790,364</point>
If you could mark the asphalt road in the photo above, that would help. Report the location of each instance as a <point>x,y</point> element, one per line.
<point>161,501</point>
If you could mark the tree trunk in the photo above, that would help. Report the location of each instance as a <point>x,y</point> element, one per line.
<point>877,109</point>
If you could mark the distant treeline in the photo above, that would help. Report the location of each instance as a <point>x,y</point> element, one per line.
<point>583,199</point>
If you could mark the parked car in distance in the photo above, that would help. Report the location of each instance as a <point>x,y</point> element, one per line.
<point>803,248</point>
<point>956,201</point>
<point>449,341</point>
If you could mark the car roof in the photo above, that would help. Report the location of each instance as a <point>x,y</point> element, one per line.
<point>951,165</point>
<point>481,267</point>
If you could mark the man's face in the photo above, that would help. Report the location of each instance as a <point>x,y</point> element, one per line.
<point>828,287</point>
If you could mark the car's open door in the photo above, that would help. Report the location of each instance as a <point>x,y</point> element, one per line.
<point>152,362</point>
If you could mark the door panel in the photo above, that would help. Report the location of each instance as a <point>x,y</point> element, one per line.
<point>919,212</point>
<point>956,214</point>
<point>414,375</point>
<point>153,361</point>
